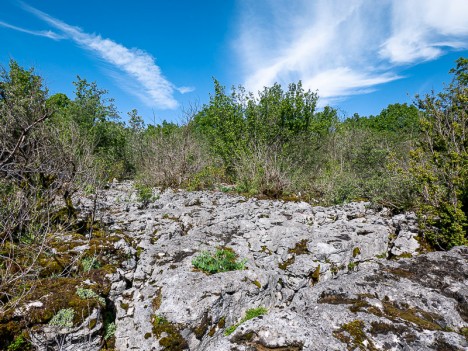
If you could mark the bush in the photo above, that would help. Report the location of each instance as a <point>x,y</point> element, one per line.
<point>439,164</point>
<point>223,260</point>
<point>173,159</point>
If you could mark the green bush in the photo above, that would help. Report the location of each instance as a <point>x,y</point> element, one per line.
<point>250,314</point>
<point>144,194</point>
<point>223,260</point>
<point>439,164</point>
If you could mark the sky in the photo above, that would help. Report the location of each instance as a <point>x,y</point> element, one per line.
<point>160,57</point>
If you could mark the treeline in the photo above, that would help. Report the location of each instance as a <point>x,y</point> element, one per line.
<point>274,144</point>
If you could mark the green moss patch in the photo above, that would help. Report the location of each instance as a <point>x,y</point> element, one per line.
<point>354,336</point>
<point>168,334</point>
<point>300,248</point>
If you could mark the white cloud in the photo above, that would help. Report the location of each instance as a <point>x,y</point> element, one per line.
<point>343,48</point>
<point>40,33</point>
<point>425,30</point>
<point>154,89</point>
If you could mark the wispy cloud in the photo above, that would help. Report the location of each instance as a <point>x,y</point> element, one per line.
<point>40,33</point>
<point>342,49</point>
<point>152,87</point>
<point>425,30</point>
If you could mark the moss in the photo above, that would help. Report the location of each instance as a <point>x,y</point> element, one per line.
<point>212,331</point>
<point>385,328</point>
<point>124,306</point>
<point>156,303</point>
<point>200,330</point>
<point>173,340</point>
<point>284,265</point>
<point>464,332</point>
<point>57,294</point>
<point>423,319</point>
<point>139,250</point>
<point>147,335</point>
<point>300,248</point>
<point>356,252</point>
<point>92,323</point>
<point>257,284</point>
<point>315,276</point>
<point>352,265</point>
<point>266,250</point>
<point>353,335</point>
<point>404,255</point>
<point>222,322</point>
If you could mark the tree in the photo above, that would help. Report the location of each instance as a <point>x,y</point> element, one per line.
<point>440,162</point>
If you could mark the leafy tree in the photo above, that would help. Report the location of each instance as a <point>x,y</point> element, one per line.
<point>221,122</point>
<point>440,162</point>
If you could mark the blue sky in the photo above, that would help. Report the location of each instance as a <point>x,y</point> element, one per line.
<point>160,56</point>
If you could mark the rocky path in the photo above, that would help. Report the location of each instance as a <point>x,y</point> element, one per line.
<point>322,274</point>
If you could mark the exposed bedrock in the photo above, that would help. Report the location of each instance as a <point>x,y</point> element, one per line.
<point>339,278</point>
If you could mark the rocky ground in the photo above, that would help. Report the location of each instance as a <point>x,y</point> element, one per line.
<point>341,278</point>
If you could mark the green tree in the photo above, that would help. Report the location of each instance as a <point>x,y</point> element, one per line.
<point>221,122</point>
<point>440,162</point>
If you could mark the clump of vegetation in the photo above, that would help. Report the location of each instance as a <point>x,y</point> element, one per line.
<point>18,344</point>
<point>85,294</point>
<point>249,314</point>
<point>110,331</point>
<point>89,263</point>
<point>63,318</point>
<point>223,260</point>
<point>144,194</point>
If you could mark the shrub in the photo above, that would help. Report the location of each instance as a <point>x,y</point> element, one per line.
<point>144,193</point>
<point>439,164</point>
<point>223,260</point>
<point>250,314</point>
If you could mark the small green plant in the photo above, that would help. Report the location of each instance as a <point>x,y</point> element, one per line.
<point>110,331</point>
<point>86,294</point>
<point>250,314</point>
<point>223,260</point>
<point>63,318</point>
<point>89,263</point>
<point>144,194</point>
<point>18,344</point>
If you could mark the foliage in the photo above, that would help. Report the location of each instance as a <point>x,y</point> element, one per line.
<point>174,157</point>
<point>18,344</point>
<point>249,314</point>
<point>110,331</point>
<point>223,260</point>
<point>440,162</point>
<point>63,318</point>
<point>90,262</point>
<point>144,193</point>
<point>85,294</point>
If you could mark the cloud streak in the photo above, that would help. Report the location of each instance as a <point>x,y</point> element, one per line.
<point>151,86</point>
<point>344,49</point>
<point>40,33</point>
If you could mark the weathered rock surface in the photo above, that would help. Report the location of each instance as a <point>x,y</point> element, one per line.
<point>322,273</point>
